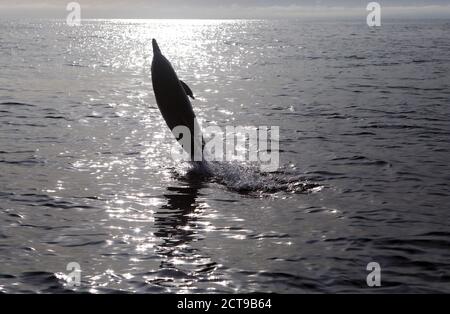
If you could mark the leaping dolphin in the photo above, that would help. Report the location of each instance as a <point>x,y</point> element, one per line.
<point>172,98</point>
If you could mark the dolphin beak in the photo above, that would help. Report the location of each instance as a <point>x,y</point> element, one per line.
<point>155,47</point>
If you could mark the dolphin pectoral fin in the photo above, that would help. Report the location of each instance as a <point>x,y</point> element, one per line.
<point>187,89</point>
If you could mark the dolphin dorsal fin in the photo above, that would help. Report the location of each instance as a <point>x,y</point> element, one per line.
<point>187,89</point>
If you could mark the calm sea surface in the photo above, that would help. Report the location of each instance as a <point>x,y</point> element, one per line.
<point>86,174</point>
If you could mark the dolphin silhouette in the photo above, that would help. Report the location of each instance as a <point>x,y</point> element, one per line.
<point>172,98</point>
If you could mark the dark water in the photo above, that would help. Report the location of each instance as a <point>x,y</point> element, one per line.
<point>86,177</point>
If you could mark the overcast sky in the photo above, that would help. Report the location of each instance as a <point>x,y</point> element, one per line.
<point>225,8</point>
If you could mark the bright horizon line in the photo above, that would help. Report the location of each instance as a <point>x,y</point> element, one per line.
<point>145,12</point>
<point>348,18</point>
